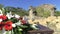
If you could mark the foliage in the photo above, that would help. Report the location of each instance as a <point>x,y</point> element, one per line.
<point>57,13</point>
<point>1,6</point>
<point>17,10</point>
<point>14,20</point>
<point>42,12</point>
<point>46,14</point>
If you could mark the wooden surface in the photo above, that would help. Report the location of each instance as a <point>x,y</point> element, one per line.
<point>42,30</point>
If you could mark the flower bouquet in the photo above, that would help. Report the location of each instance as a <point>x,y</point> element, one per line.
<point>14,24</point>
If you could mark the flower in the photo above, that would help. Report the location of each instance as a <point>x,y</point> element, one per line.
<point>0,20</point>
<point>1,14</point>
<point>8,15</point>
<point>17,16</point>
<point>34,26</point>
<point>18,23</point>
<point>23,21</point>
<point>4,17</point>
<point>0,17</point>
<point>13,25</point>
<point>1,25</point>
<point>8,25</point>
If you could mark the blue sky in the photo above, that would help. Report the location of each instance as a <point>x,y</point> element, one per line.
<point>26,3</point>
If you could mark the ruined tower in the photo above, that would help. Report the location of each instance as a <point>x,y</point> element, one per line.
<point>32,12</point>
<point>49,7</point>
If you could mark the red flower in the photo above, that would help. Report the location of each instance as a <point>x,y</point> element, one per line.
<point>8,25</point>
<point>0,17</point>
<point>23,21</point>
<point>4,17</point>
<point>1,25</point>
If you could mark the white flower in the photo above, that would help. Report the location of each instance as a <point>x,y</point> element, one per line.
<point>0,20</point>
<point>1,14</point>
<point>18,23</point>
<point>13,25</point>
<point>9,15</point>
<point>34,26</point>
<point>17,16</point>
<point>0,11</point>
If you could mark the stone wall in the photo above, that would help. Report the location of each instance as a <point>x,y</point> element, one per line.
<point>49,7</point>
<point>52,22</point>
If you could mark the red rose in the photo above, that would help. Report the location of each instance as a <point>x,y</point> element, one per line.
<point>1,25</point>
<point>0,17</point>
<point>8,25</point>
<point>23,21</point>
<point>4,17</point>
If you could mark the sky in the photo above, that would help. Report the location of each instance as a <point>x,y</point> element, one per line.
<point>26,3</point>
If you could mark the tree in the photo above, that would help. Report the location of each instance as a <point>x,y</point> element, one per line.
<point>16,10</point>
<point>57,13</point>
<point>1,6</point>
